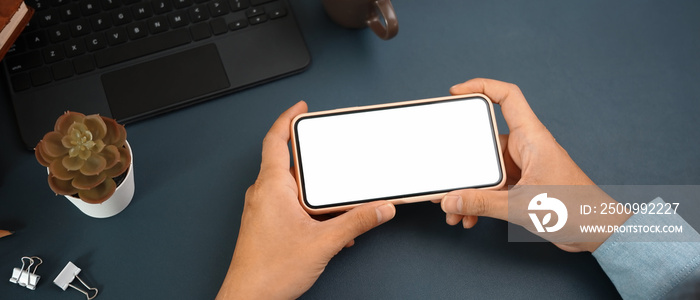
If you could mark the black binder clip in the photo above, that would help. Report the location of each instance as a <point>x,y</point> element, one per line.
<point>26,277</point>
<point>69,273</point>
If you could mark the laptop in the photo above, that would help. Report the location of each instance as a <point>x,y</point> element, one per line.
<point>130,59</point>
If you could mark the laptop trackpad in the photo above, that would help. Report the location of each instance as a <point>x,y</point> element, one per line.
<point>163,83</point>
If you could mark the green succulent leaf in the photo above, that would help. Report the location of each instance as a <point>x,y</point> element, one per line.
<point>122,137</point>
<point>113,132</point>
<point>57,169</point>
<point>84,182</point>
<point>97,126</point>
<point>61,187</point>
<point>111,155</point>
<point>42,158</point>
<point>66,120</point>
<point>93,165</point>
<point>66,142</point>
<point>121,166</point>
<point>52,144</point>
<point>72,163</point>
<point>99,193</point>
<point>99,146</point>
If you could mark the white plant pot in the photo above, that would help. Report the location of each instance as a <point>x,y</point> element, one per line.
<point>116,203</point>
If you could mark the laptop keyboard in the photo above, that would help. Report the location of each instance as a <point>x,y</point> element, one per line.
<point>69,38</point>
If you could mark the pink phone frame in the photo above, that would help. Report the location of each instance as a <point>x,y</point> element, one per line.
<point>413,199</point>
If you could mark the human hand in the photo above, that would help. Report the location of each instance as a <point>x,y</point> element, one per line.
<point>532,157</point>
<point>281,250</point>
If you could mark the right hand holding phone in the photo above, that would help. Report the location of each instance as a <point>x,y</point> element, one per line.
<point>532,157</point>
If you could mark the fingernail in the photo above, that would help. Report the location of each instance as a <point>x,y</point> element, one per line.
<point>452,204</point>
<point>385,212</point>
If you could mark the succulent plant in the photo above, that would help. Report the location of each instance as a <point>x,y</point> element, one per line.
<point>84,154</point>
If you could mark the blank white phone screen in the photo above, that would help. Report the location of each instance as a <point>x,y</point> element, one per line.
<point>397,152</point>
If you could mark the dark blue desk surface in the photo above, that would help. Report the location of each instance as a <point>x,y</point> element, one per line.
<point>616,82</point>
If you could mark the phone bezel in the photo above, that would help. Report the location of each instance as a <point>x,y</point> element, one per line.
<point>398,199</point>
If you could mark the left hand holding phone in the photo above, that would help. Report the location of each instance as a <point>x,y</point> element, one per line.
<point>281,250</point>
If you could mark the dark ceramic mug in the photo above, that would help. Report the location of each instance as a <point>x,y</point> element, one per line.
<point>378,15</point>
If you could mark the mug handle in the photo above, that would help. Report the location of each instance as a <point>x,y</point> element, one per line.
<point>391,27</point>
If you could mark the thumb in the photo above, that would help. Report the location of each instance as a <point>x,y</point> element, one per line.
<point>471,202</point>
<point>361,219</point>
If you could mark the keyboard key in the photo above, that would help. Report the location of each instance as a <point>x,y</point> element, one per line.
<point>198,13</point>
<point>218,8</point>
<point>18,47</point>
<point>182,3</point>
<point>158,24</point>
<point>238,24</point>
<point>95,41</point>
<point>36,39</point>
<point>21,82</point>
<point>62,70</point>
<point>101,22</point>
<point>278,13</point>
<point>80,27</point>
<point>257,20</point>
<point>254,11</point>
<point>53,53</point>
<point>40,76</point>
<point>121,16</point>
<point>142,47</point>
<point>69,12</point>
<point>178,19</point>
<point>137,30</point>
<point>38,4</point>
<point>200,31</point>
<point>89,7</point>
<point>110,4</point>
<point>75,47</point>
<point>59,33</point>
<point>237,5</point>
<point>141,11</point>
<point>218,26</point>
<point>162,6</point>
<point>47,17</point>
<point>116,36</point>
<point>83,64</point>
<point>24,61</point>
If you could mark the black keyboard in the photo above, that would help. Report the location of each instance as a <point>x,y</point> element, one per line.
<point>131,60</point>
<point>69,38</point>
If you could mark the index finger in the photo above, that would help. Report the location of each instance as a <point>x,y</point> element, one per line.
<point>515,109</point>
<point>275,153</point>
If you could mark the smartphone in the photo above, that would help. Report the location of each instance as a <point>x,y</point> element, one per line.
<point>402,152</point>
